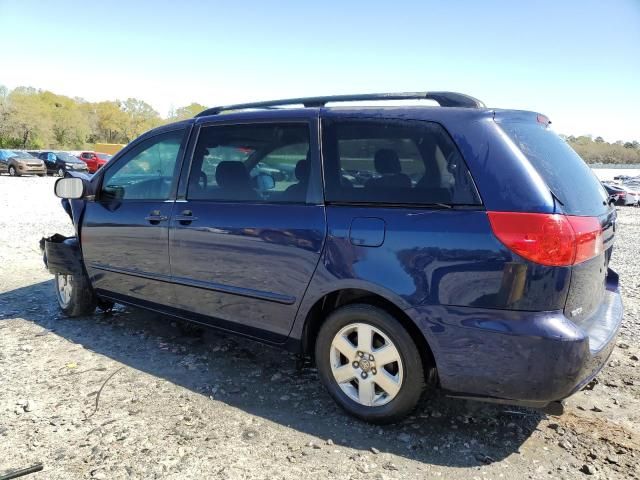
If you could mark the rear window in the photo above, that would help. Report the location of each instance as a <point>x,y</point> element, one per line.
<point>394,162</point>
<point>569,178</point>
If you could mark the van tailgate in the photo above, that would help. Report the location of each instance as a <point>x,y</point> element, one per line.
<point>589,279</point>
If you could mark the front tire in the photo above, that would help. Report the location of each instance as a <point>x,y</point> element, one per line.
<point>75,295</point>
<point>369,364</point>
<point>61,172</point>
<point>13,172</point>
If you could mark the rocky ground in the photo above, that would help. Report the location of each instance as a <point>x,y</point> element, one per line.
<point>128,395</point>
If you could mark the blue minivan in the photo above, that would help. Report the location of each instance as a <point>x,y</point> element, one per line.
<point>401,247</point>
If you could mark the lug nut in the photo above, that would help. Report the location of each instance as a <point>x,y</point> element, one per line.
<point>373,370</point>
<point>371,358</point>
<point>360,354</point>
<point>356,364</point>
<point>363,374</point>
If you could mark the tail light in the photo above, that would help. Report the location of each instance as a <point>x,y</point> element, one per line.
<point>549,239</point>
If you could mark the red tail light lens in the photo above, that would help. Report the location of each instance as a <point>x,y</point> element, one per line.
<point>589,242</point>
<point>548,239</point>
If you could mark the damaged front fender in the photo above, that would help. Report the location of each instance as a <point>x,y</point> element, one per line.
<point>62,255</point>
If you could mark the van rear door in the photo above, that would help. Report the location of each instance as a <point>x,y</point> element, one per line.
<point>578,192</point>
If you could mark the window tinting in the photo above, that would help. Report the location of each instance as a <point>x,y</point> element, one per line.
<point>251,163</point>
<point>564,172</point>
<point>394,162</point>
<point>147,172</point>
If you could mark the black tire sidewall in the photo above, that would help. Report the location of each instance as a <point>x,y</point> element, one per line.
<point>413,379</point>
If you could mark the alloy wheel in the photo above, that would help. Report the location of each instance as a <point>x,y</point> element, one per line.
<point>366,365</point>
<point>64,289</point>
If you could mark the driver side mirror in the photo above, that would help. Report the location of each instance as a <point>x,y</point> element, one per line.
<point>70,188</point>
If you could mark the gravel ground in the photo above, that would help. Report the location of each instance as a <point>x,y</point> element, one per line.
<point>129,395</point>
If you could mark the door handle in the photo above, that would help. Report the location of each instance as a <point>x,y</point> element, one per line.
<point>155,217</point>
<point>185,217</point>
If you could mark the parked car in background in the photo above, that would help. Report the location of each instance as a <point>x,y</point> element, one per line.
<point>622,194</point>
<point>633,194</point>
<point>58,163</point>
<point>434,272</point>
<point>4,162</point>
<point>94,160</point>
<point>616,194</point>
<point>20,163</point>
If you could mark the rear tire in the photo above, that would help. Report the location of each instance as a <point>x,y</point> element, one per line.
<point>369,364</point>
<point>75,295</point>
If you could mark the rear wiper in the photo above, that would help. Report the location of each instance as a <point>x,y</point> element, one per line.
<point>556,197</point>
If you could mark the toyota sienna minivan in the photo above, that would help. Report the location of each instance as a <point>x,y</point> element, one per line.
<point>403,248</point>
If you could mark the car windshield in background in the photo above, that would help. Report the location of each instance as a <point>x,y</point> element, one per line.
<point>6,154</point>
<point>22,154</point>
<point>568,177</point>
<point>67,157</point>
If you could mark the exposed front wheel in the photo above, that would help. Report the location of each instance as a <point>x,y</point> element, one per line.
<point>369,363</point>
<point>75,295</point>
<point>13,172</point>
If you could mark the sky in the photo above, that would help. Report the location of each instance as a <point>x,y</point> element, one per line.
<point>577,61</point>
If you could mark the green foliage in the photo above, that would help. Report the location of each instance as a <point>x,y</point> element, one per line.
<point>31,118</point>
<point>599,151</point>
<point>189,111</point>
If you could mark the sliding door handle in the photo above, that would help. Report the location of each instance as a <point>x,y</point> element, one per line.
<point>154,218</point>
<point>185,217</point>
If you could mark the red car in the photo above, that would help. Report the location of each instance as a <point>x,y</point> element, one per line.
<point>94,160</point>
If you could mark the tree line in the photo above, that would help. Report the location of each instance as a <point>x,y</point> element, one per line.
<point>31,118</point>
<point>597,150</point>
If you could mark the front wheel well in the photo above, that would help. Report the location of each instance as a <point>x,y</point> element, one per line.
<point>334,300</point>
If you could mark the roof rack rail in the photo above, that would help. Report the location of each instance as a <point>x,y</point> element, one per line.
<point>444,99</point>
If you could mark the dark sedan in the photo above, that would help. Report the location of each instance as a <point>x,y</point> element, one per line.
<point>58,163</point>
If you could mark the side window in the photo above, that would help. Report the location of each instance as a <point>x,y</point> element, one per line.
<point>281,163</point>
<point>394,162</point>
<point>251,163</point>
<point>147,172</point>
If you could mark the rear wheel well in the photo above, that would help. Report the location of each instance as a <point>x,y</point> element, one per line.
<point>334,300</point>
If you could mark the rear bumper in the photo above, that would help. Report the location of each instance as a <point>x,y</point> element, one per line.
<point>523,358</point>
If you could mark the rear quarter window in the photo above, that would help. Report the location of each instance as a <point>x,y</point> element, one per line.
<point>394,161</point>
<point>568,177</point>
